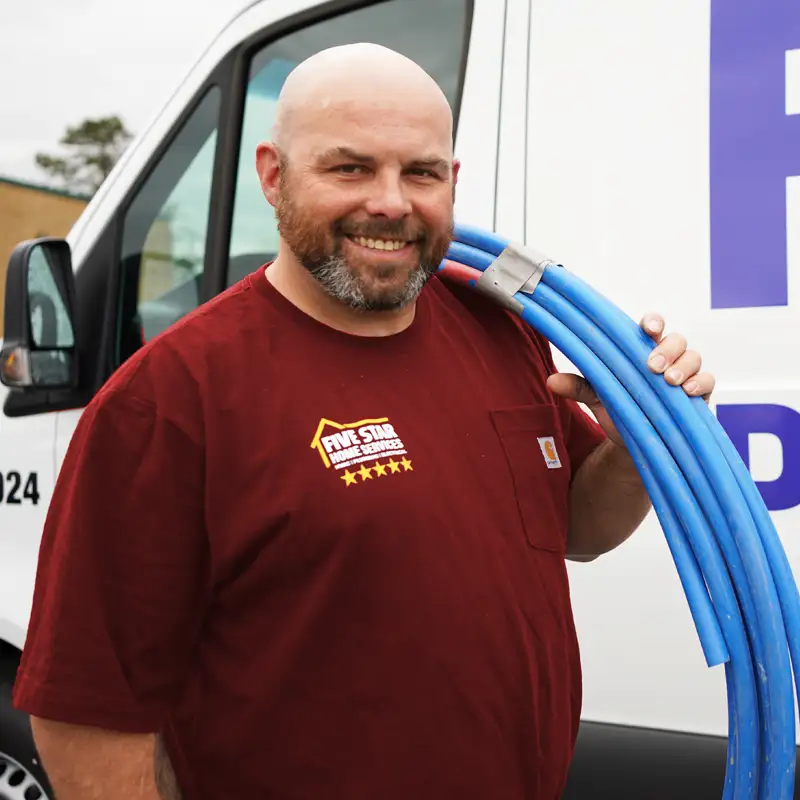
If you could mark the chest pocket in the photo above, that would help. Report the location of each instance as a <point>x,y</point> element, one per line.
<point>537,457</point>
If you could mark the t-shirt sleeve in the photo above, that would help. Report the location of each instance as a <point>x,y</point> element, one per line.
<point>122,577</point>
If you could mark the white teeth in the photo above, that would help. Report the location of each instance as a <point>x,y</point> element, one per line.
<point>379,244</point>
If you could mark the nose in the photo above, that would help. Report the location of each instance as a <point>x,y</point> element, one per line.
<point>387,197</point>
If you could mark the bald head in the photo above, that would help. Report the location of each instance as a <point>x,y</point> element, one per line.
<point>361,173</point>
<point>364,77</point>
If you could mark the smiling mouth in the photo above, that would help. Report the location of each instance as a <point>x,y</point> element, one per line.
<point>380,245</point>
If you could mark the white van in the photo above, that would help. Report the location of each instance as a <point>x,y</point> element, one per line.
<point>652,147</point>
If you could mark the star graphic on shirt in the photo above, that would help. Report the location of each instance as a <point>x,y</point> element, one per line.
<point>380,469</point>
<point>365,473</point>
<point>406,465</point>
<point>349,478</point>
<point>393,465</point>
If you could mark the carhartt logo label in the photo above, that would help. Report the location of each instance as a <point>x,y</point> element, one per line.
<point>365,450</point>
<point>548,447</point>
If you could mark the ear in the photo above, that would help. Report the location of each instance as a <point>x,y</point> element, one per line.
<point>268,167</point>
<point>456,167</point>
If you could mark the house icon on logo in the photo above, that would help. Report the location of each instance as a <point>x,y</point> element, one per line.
<point>332,436</point>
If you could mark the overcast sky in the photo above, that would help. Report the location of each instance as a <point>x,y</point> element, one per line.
<point>64,60</point>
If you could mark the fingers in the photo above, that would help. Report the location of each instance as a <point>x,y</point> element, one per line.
<point>681,366</point>
<point>701,385</point>
<point>670,348</point>
<point>653,325</point>
<point>574,387</point>
<point>670,358</point>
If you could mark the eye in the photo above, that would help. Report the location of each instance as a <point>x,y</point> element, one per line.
<point>350,169</point>
<point>424,173</point>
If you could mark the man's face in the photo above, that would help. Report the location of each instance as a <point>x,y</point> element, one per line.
<point>365,201</point>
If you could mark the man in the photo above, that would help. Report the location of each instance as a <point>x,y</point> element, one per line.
<point>305,544</point>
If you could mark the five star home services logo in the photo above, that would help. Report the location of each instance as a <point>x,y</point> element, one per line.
<point>353,446</point>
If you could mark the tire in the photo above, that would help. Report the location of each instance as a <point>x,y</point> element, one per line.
<point>21,774</point>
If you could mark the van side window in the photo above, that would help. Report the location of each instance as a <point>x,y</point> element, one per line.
<point>436,41</point>
<point>164,233</point>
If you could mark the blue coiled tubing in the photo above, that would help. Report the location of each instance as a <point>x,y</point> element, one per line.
<point>734,572</point>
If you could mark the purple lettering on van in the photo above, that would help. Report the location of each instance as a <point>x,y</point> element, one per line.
<point>754,147</point>
<point>739,421</point>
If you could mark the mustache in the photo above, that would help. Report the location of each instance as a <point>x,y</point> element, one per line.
<point>381,229</point>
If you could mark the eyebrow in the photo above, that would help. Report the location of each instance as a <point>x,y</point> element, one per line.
<point>431,162</point>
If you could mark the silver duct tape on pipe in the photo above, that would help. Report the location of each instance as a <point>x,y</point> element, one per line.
<point>516,269</point>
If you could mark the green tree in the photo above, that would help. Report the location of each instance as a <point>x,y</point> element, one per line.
<point>93,147</point>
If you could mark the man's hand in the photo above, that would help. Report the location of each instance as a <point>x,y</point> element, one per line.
<point>670,358</point>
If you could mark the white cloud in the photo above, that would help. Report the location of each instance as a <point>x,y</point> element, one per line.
<point>63,61</point>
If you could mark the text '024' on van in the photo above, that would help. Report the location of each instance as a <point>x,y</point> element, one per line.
<point>652,148</point>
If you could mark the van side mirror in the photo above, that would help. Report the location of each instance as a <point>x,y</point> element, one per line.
<point>38,348</point>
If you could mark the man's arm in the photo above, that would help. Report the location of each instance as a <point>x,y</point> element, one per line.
<point>608,502</point>
<point>85,763</point>
<point>119,601</point>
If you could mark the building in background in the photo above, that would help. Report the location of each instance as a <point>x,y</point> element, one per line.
<point>28,211</point>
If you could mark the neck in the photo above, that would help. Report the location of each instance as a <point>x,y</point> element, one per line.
<point>299,287</point>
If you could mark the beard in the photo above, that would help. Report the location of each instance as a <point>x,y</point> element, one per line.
<point>384,286</point>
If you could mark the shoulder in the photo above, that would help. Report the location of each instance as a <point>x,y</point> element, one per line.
<point>171,374</point>
<point>458,304</point>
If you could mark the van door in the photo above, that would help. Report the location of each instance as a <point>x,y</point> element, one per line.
<point>511,204</point>
<point>163,255</point>
<point>26,483</point>
<point>26,476</point>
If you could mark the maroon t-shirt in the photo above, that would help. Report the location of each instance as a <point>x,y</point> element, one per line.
<point>325,566</point>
